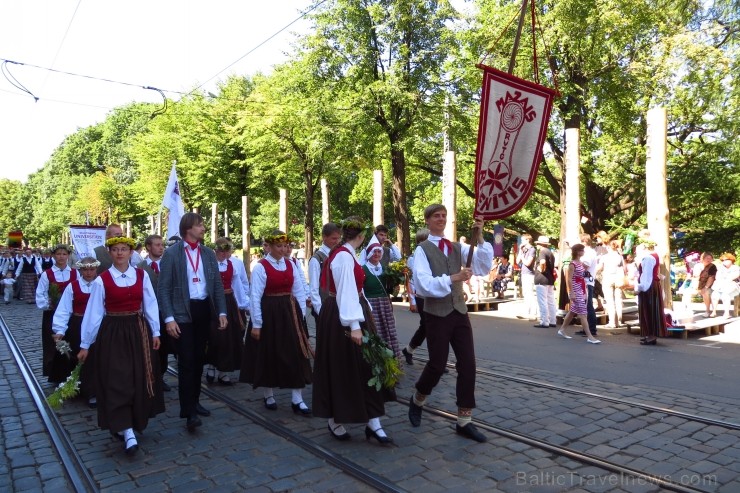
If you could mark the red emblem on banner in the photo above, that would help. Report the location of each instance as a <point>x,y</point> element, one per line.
<point>511,134</point>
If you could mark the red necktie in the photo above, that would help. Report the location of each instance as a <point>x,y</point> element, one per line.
<point>155,267</point>
<point>444,242</point>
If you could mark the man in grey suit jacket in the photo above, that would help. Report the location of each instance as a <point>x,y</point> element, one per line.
<point>101,252</point>
<point>190,296</point>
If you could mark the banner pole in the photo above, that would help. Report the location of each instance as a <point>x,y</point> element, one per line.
<point>515,49</point>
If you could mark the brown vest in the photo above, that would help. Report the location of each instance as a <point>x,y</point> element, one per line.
<point>439,264</point>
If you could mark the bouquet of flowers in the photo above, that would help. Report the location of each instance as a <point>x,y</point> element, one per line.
<point>67,389</point>
<point>395,275</point>
<point>379,356</point>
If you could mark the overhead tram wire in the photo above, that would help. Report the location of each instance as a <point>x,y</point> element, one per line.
<point>61,43</point>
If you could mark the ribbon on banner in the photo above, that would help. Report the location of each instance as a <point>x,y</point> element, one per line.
<point>514,114</point>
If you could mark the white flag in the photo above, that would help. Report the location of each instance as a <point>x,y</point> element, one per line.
<point>173,201</point>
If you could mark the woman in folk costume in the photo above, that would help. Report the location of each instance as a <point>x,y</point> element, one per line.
<point>225,345</point>
<point>122,319</point>
<point>27,272</point>
<point>277,352</point>
<point>67,325</point>
<point>378,297</point>
<point>650,294</point>
<point>340,391</point>
<point>48,292</point>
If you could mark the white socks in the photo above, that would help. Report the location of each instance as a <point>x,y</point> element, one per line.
<point>296,396</point>
<point>374,424</point>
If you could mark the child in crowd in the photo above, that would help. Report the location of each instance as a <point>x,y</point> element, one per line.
<point>8,285</point>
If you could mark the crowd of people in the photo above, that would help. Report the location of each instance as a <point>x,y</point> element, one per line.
<point>123,315</point>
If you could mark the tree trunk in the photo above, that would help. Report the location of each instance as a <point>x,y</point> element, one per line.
<point>400,208</point>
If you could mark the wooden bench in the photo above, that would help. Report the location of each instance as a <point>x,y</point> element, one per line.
<point>710,326</point>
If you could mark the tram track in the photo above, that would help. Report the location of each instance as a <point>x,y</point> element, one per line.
<point>73,465</point>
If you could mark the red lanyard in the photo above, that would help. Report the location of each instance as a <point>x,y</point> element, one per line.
<point>194,265</point>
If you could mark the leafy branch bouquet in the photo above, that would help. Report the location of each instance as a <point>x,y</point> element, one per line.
<point>54,296</point>
<point>382,361</point>
<point>66,390</point>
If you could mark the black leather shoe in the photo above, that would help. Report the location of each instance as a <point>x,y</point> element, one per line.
<point>165,386</point>
<point>117,436</point>
<point>297,409</point>
<point>341,437</point>
<point>580,333</point>
<point>552,325</point>
<point>199,409</point>
<point>470,431</point>
<point>409,357</point>
<point>193,422</point>
<point>383,440</point>
<point>271,406</point>
<point>414,413</point>
<point>541,326</point>
<point>222,381</point>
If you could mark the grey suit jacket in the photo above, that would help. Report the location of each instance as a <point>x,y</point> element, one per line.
<point>153,276</point>
<point>173,293</point>
<point>103,256</point>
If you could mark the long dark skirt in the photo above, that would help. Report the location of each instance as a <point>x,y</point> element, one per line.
<point>225,346</point>
<point>62,365</point>
<point>340,388</point>
<point>278,359</point>
<point>48,347</point>
<point>28,283</point>
<point>651,314</point>
<point>128,383</point>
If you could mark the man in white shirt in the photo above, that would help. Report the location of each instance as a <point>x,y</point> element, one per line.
<point>439,271</point>
<point>330,236</point>
<point>391,253</point>
<point>526,260</point>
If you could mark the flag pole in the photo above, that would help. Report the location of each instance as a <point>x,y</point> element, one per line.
<point>515,49</point>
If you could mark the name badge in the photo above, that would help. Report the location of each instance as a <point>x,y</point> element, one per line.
<point>196,279</point>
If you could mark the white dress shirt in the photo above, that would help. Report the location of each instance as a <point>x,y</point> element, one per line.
<point>236,284</point>
<point>427,285</point>
<point>314,279</point>
<point>259,281</point>
<point>42,289</point>
<point>96,305</point>
<point>193,258</point>
<point>348,299</point>
<point>64,308</point>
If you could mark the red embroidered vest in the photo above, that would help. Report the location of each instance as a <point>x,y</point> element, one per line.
<point>79,299</point>
<point>278,282</point>
<point>656,268</point>
<point>327,281</point>
<point>61,284</point>
<point>123,299</point>
<point>228,275</point>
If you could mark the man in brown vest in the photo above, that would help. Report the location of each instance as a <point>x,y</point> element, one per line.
<point>439,273</point>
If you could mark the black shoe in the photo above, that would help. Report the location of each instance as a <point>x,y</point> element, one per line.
<point>409,357</point>
<point>222,381</point>
<point>470,431</point>
<point>92,403</point>
<point>342,438</point>
<point>165,386</point>
<point>271,406</point>
<point>199,409</point>
<point>414,413</point>
<point>446,370</point>
<point>297,409</point>
<point>133,448</point>
<point>580,333</point>
<point>210,375</point>
<point>541,326</point>
<point>383,440</point>
<point>117,436</point>
<point>193,422</point>
<point>552,325</point>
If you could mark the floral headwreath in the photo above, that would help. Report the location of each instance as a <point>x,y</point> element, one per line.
<point>279,238</point>
<point>647,242</point>
<point>87,265</point>
<point>116,240</point>
<point>224,247</point>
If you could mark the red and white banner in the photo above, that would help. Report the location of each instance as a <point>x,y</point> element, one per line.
<point>514,114</point>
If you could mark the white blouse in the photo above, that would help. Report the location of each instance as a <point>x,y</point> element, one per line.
<point>42,289</point>
<point>236,285</point>
<point>244,280</point>
<point>259,281</point>
<point>427,285</point>
<point>64,308</point>
<point>348,299</point>
<point>96,305</point>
